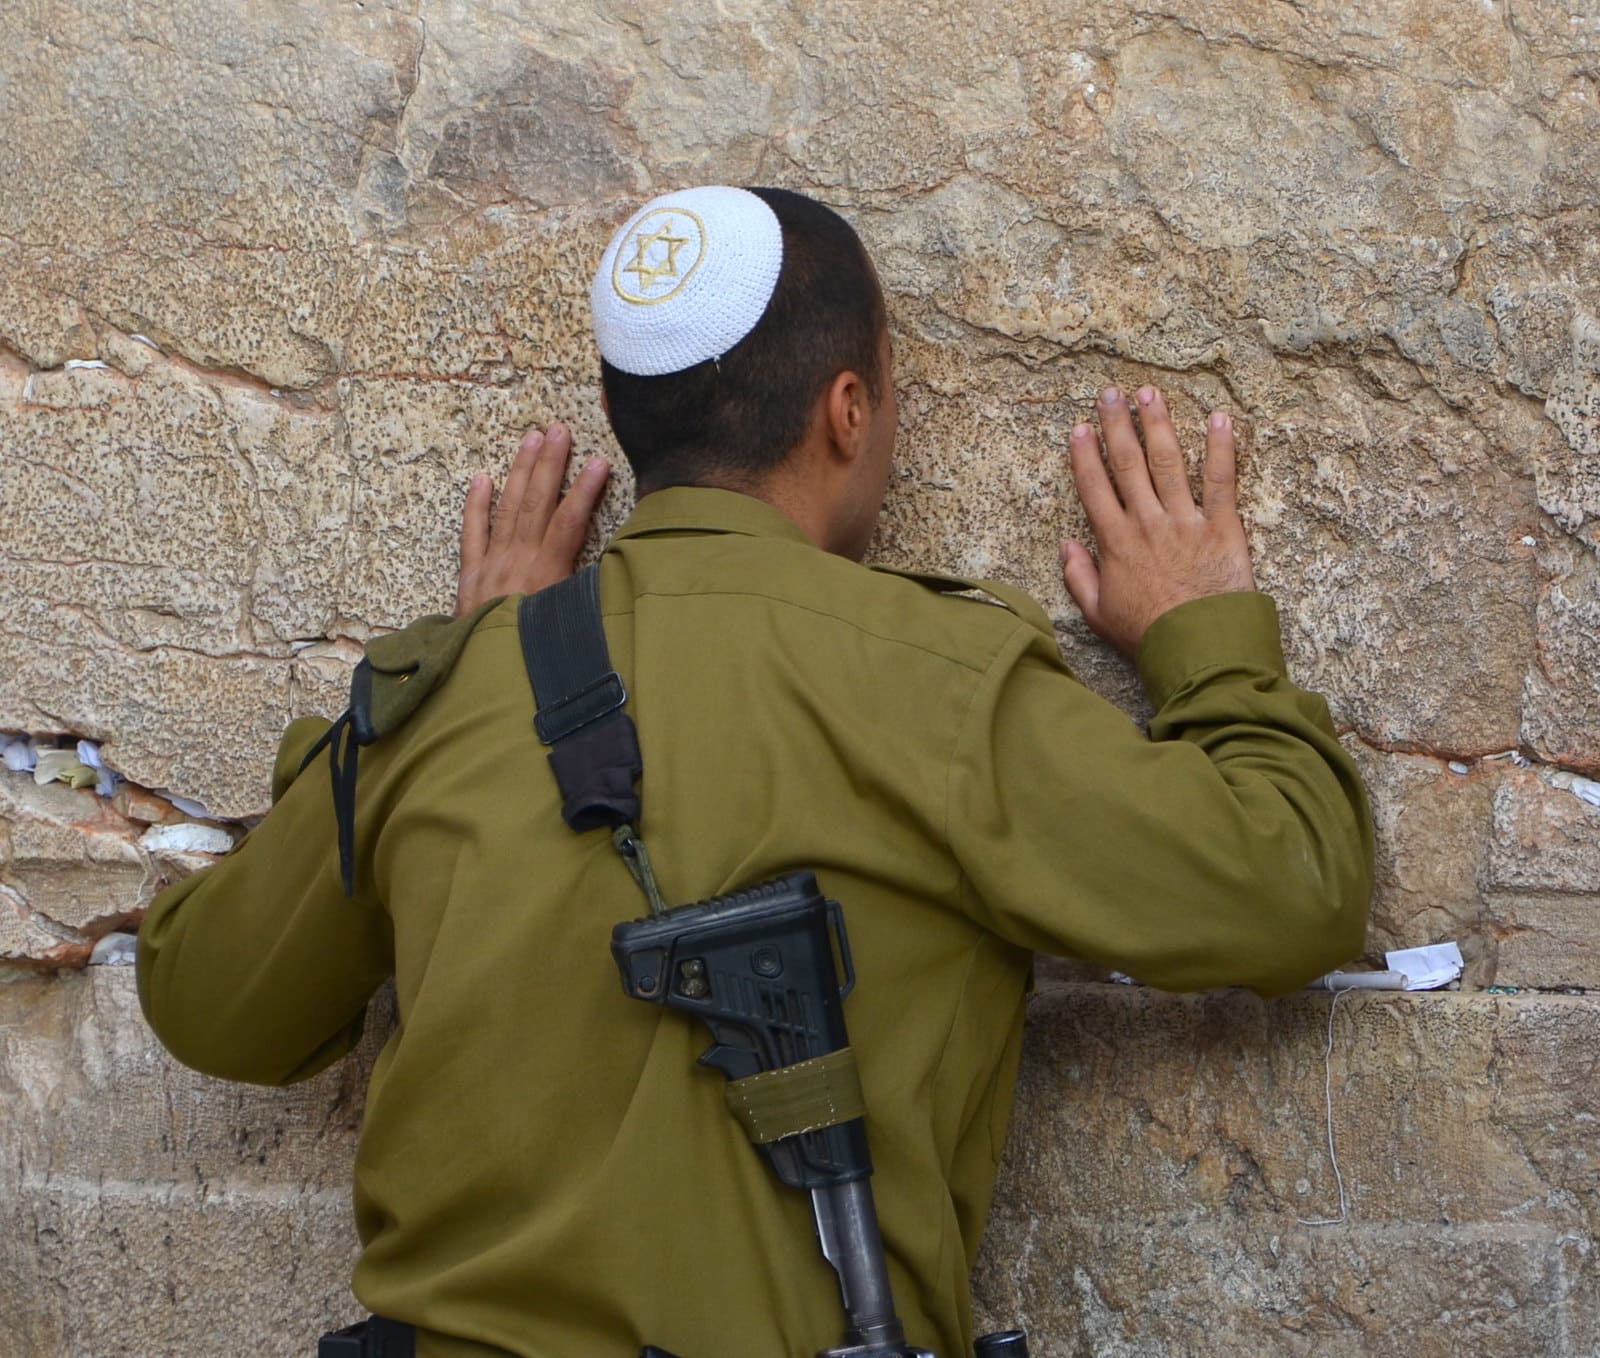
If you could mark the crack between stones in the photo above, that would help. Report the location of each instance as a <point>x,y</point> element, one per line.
<point>318,401</point>
<point>75,942</point>
<point>416,82</point>
<point>64,737</point>
<point>1527,756</point>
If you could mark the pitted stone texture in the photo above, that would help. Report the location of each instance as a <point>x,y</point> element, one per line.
<point>1164,1148</point>
<point>1569,486</point>
<point>1561,698</point>
<point>168,537</point>
<point>162,136</point>
<point>1395,545</point>
<point>414,446</point>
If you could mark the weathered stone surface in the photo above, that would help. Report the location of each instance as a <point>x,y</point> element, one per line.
<point>1562,694</point>
<point>68,856</point>
<point>1432,829</point>
<point>1363,525</point>
<point>388,219</point>
<point>1569,485</point>
<point>221,1212</point>
<point>25,936</point>
<point>1546,837</point>
<point>413,446</point>
<point>1545,940</point>
<point>192,1267</point>
<point>70,1043</point>
<point>1342,1294</point>
<point>1561,698</point>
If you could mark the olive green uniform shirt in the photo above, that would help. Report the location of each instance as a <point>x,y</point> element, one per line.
<point>543,1168</point>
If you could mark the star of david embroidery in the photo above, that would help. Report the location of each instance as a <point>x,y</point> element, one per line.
<point>648,273</point>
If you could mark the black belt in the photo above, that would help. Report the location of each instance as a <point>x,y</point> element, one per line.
<point>380,1337</point>
<point>375,1337</point>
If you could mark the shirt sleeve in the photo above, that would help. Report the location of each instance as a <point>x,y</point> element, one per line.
<point>1232,846</point>
<point>260,968</point>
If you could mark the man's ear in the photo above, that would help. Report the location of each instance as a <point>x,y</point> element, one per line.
<point>847,413</point>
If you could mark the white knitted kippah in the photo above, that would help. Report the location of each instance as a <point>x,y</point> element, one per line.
<point>685,280</point>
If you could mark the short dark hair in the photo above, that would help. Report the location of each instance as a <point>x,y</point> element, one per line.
<point>735,418</point>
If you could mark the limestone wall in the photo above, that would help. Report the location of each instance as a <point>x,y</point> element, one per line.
<point>275,278</point>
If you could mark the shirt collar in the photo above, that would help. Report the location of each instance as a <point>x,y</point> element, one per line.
<point>701,509</point>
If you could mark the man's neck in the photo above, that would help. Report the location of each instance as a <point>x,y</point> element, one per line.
<point>790,495</point>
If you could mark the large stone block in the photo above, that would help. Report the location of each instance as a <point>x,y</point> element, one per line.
<point>1432,829</point>
<point>91,1094</point>
<point>1540,876</point>
<point>68,854</point>
<point>1168,1169</point>
<point>1561,698</point>
<point>1176,1287</point>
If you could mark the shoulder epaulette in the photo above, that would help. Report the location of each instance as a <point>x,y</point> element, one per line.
<point>1010,598</point>
<point>409,664</point>
<point>390,683</point>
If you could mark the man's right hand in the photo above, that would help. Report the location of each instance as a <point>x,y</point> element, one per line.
<point>536,532</point>
<point>1158,549</point>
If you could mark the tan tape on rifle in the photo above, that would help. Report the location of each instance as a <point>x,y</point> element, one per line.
<point>804,1097</point>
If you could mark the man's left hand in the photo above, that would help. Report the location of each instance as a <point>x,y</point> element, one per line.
<point>535,533</point>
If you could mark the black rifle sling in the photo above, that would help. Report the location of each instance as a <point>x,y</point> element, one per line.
<point>579,698</point>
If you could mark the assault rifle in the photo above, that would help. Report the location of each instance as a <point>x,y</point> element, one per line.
<point>758,968</point>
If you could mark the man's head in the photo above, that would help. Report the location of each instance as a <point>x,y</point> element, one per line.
<point>738,378</point>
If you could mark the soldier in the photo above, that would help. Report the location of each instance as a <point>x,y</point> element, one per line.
<point>542,1169</point>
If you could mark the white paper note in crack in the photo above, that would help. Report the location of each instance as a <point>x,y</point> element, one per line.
<point>1426,968</point>
<point>186,838</point>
